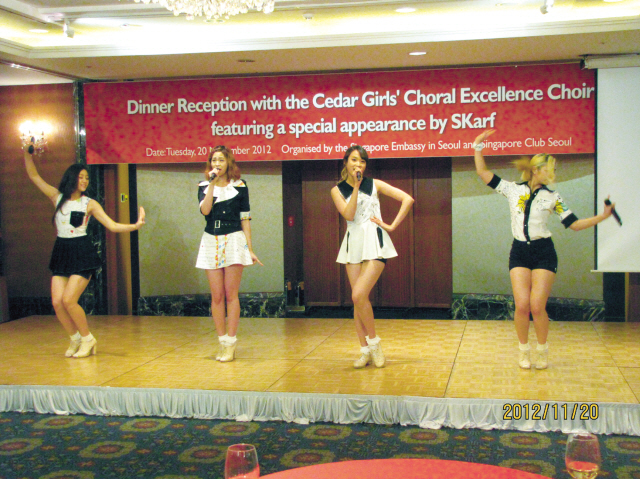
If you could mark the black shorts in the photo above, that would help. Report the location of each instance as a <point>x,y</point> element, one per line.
<point>85,274</point>
<point>536,254</point>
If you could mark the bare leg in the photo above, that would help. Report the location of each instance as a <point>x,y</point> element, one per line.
<point>366,280</point>
<point>353,272</point>
<point>65,294</point>
<point>218,311</point>
<point>58,284</point>
<point>541,283</point>
<point>232,278</point>
<point>521,284</point>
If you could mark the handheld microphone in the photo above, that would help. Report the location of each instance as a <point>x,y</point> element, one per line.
<point>613,212</point>
<point>359,175</point>
<point>213,173</point>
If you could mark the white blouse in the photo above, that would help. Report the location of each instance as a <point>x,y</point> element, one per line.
<point>531,211</point>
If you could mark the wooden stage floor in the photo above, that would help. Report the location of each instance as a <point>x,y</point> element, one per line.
<point>588,362</point>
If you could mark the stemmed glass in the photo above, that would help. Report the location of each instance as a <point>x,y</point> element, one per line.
<point>582,457</point>
<point>242,462</point>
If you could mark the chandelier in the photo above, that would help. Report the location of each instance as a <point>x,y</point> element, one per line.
<point>213,8</point>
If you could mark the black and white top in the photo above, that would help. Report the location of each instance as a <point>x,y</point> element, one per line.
<point>72,219</point>
<point>223,241</point>
<point>364,239</point>
<point>230,206</point>
<point>531,211</point>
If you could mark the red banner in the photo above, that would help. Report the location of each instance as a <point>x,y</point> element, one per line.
<point>430,113</point>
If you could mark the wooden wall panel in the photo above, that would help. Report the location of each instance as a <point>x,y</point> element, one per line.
<point>633,297</point>
<point>433,233</point>
<point>292,209</point>
<point>395,286</point>
<point>27,232</point>
<point>321,235</point>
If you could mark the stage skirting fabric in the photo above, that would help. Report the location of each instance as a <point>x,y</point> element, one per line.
<point>431,413</point>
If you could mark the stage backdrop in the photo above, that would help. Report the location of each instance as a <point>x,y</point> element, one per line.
<point>429,113</point>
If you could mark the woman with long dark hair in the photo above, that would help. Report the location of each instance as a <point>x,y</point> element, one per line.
<point>533,262</point>
<point>367,245</point>
<point>225,248</point>
<point>74,258</point>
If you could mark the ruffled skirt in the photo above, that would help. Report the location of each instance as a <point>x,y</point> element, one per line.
<point>220,251</point>
<point>363,242</point>
<point>73,255</point>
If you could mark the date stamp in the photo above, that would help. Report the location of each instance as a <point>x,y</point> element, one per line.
<point>541,412</point>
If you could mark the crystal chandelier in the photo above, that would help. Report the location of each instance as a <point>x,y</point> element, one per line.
<point>213,8</point>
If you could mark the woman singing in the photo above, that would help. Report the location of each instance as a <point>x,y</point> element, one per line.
<point>225,248</point>
<point>367,245</point>
<point>74,258</point>
<point>533,261</point>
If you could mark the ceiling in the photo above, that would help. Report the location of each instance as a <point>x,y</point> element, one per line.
<point>121,39</point>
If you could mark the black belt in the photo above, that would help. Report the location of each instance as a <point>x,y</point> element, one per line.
<point>221,227</point>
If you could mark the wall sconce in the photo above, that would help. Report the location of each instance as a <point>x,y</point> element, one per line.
<point>35,134</point>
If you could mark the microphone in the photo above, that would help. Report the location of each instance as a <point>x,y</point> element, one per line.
<point>613,212</point>
<point>359,175</point>
<point>213,173</point>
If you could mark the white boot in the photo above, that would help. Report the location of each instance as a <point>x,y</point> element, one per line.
<point>525,356</point>
<point>376,352</point>
<point>364,359</point>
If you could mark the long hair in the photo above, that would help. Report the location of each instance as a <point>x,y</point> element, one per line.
<point>363,154</point>
<point>528,166</point>
<point>233,172</point>
<point>68,184</point>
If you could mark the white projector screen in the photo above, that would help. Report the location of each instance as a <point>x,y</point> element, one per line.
<point>618,168</point>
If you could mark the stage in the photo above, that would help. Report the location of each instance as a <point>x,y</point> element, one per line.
<point>438,373</point>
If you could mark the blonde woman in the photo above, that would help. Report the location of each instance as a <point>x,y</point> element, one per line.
<point>225,248</point>
<point>367,245</point>
<point>533,262</point>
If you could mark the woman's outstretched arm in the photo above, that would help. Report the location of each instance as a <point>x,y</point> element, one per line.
<point>95,209</point>
<point>51,192</point>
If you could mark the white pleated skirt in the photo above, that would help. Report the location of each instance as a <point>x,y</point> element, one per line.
<point>220,251</point>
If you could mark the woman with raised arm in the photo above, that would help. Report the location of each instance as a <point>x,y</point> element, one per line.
<point>367,245</point>
<point>74,259</point>
<point>533,262</point>
<point>225,248</point>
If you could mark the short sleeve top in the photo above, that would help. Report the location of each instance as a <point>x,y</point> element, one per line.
<point>530,211</point>
<point>230,206</point>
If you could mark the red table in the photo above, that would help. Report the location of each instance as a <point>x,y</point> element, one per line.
<point>403,469</point>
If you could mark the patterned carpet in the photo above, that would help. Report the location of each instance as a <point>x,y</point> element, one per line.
<point>36,446</point>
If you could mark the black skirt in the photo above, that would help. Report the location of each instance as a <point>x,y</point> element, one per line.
<point>73,255</point>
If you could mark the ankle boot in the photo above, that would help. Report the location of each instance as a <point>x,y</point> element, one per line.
<point>87,348</point>
<point>74,345</point>
<point>525,359</point>
<point>542,360</point>
<point>363,360</point>
<point>377,355</point>
<point>220,351</point>
<point>229,353</point>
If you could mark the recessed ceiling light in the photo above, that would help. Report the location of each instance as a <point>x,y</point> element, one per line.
<point>39,30</point>
<point>405,10</point>
<point>417,54</point>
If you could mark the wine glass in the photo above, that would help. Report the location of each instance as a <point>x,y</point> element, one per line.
<point>242,462</point>
<point>582,457</point>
